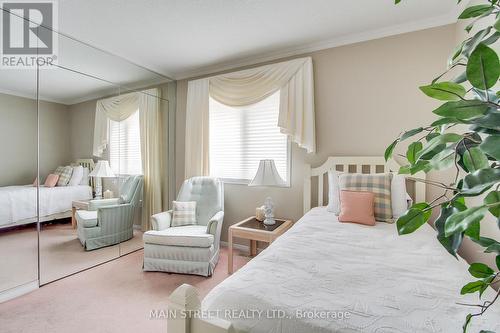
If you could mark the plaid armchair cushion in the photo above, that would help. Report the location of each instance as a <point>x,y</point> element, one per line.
<point>184,213</point>
<point>379,184</point>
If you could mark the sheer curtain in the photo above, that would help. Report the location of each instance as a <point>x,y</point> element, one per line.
<point>151,150</point>
<point>293,79</point>
<point>120,108</point>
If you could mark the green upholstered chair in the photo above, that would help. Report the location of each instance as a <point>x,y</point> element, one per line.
<point>110,221</point>
<point>191,249</point>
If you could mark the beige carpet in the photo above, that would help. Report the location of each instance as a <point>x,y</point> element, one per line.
<point>114,297</point>
<point>18,257</point>
<point>61,254</point>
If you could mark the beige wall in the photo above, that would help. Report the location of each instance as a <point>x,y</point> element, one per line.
<point>365,95</point>
<point>18,134</point>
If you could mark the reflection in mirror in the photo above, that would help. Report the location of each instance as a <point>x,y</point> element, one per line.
<point>18,170</point>
<point>102,96</point>
<point>100,168</point>
<point>70,234</point>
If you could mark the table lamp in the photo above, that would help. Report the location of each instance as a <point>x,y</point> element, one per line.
<point>101,170</point>
<point>267,175</point>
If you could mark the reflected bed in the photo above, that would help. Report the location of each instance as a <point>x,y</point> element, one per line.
<point>18,204</point>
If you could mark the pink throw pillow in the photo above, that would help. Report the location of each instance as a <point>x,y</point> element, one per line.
<point>35,183</point>
<point>51,180</point>
<point>357,207</point>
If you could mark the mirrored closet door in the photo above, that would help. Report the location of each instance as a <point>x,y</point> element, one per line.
<point>95,110</point>
<point>96,131</point>
<point>18,170</point>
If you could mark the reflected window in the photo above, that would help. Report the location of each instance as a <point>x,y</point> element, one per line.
<point>125,146</point>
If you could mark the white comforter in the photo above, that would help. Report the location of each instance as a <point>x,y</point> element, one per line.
<point>19,203</point>
<point>385,282</point>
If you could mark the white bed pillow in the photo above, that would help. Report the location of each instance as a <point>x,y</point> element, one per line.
<point>333,192</point>
<point>76,176</point>
<point>85,177</point>
<point>400,199</point>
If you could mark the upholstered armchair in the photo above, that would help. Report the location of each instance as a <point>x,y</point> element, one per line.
<point>110,221</point>
<point>191,249</point>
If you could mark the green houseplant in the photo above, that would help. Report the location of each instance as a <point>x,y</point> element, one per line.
<point>465,138</point>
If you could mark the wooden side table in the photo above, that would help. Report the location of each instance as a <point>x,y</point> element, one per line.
<point>76,205</point>
<point>255,231</point>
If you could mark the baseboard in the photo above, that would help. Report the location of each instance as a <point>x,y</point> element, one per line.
<point>18,291</point>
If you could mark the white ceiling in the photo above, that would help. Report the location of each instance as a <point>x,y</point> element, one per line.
<point>186,38</point>
<point>183,38</point>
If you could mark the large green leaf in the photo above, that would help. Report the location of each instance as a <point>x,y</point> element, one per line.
<point>431,149</point>
<point>444,91</point>
<point>471,44</point>
<point>474,159</point>
<point>483,68</point>
<point>421,165</point>
<point>491,146</point>
<point>390,150</point>
<point>443,160</point>
<point>413,149</point>
<point>446,121</point>
<point>410,133</point>
<point>462,109</point>
<point>472,287</point>
<point>489,121</point>
<point>493,248</point>
<point>480,181</point>
<point>414,218</point>
<point>480,270</point>
<point>475,11</point>
<point>497,260</point>
<point>453,242</point>
<point>493,198</point>
<point>459,222</point>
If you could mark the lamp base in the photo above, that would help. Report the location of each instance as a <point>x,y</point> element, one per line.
<point>270,221</point>
<point>269,211</point>
<point>98,189</point>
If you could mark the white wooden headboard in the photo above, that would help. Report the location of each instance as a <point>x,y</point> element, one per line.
<point>360,164</point>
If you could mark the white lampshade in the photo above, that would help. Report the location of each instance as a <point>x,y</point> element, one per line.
<point>267,175</point>
<point>102,170</point>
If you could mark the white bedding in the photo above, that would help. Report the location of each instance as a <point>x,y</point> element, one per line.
<point>18,203</point>
<point>386,282</point>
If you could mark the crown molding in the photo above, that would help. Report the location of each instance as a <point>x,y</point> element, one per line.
<point>393,30</point>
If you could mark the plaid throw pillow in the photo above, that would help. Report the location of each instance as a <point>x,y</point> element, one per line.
<point>65,176</point>
<point>184,213</point>
<point>59,170</point>
<point>379,184</point>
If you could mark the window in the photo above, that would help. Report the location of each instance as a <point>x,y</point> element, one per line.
<point>242,136</point>
<point>125,146</point>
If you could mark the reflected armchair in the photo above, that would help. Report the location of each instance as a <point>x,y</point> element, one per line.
<point>110,221</point>
<point>192,249</point>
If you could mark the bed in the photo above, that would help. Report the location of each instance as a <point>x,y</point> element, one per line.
<point>325,276</point>
<point>18,204</point>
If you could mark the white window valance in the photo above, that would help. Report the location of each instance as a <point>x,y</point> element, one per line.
<point>294,80</point>
<point>117,108</point>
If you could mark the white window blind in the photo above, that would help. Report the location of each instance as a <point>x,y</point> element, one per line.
<point>125,146</point>
<point>242,136</point>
